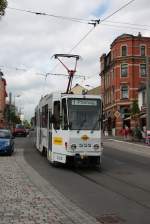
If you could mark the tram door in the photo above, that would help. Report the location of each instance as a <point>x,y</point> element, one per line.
<point>50,130</point>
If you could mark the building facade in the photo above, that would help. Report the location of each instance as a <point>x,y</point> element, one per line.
<point>78,89</point>
<point>95,91</point>
<point>123,73</point>
<point>3,96</point>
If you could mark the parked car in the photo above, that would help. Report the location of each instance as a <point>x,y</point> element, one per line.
<point>6,142</point>
<point>19,130</point>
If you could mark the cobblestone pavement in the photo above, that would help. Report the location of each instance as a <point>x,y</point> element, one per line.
<point>27,198</point>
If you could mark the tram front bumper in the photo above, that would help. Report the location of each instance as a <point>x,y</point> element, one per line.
<point>79,159</point>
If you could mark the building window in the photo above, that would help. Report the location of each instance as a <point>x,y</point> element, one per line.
<point>124,70</point>
<point>143,70</point>
<point>113,93</point>
<point>124,50</point>
<point>124,92</point>
<point>142,50</point>
<point>143,98</point>
<point>112,74</point>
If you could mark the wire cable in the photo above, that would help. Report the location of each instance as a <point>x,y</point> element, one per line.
<point>127,23</point>
<point>38,73</point>
<point>122,7</point>
<point>52,15</point>
<point>75,19</point>
<point>84,37</point>
<point>128,27</point>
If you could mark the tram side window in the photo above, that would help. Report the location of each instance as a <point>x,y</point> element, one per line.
<point>44,116</point>
<point>35,119</point>
<point>56,123</point>
<point>40,119</point>
<point>64,115</point>
<point>50,115</point>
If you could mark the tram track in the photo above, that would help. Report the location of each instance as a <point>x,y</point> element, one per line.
<point>106,180</point>
<point>105,183</point>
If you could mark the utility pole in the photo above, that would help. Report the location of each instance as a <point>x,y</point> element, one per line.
<point>9,109</point>
<point>148,94</point>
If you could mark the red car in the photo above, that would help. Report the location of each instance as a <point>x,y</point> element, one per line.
<point>19,130</point>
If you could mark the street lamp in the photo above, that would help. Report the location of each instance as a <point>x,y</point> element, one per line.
<point>15,108</point>
<point>15,96</point>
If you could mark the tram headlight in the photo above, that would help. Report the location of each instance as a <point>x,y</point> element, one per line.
<point>73,146</point>
<point>96,146</point>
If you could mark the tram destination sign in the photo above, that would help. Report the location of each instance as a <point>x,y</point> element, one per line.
<point>84,102</point>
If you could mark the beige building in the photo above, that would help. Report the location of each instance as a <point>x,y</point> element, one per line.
<point>77,89</point>
<point>95,91</point>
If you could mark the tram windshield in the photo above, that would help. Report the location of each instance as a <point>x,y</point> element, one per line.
<point>84,114</point>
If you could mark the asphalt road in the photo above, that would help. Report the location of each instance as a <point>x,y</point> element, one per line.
<point>119,194</point>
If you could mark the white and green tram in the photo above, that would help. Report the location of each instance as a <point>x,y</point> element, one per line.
<point>68,128</point>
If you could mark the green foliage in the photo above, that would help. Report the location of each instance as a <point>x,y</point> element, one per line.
<point>135,108</point>
<point>14,119</point>
<point>26,124</point>
<point>10,115</point>
<point>3,5</point>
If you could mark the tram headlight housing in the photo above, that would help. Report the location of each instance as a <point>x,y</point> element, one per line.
<point>96,146</point>
<point>73,146</point>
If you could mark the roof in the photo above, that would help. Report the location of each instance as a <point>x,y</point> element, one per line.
<point>78,89</point>
<point>124,35</point>
<point>95,91</point>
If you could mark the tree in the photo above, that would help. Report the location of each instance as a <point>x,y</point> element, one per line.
<point>3,5</point>
<point>135,109</point>
<point>135,113</point>
<point>10,116</point>
<point>26,124</point>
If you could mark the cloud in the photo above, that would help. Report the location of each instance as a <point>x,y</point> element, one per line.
<point>29,41</point>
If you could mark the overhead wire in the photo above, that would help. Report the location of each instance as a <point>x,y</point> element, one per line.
<point>46,74</point>
<point>73,19</point>
<point>128,27</point>
<point>113,13</point>
<point>76,20</point>
<point>87,34</point>
<point>127,23</point>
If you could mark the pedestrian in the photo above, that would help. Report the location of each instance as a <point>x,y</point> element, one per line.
<point>143,131</point>
<point>124,132</point>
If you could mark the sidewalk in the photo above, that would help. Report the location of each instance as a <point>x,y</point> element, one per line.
<point>121,138</point>
<point>137,147</point>
<point>27,198</point>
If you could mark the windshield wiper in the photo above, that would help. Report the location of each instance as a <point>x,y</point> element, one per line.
<point>93,128</point>
<point>81,125</point>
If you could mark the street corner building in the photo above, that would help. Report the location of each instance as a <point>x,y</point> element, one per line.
<point>3,96</point>
<point>123,77</point>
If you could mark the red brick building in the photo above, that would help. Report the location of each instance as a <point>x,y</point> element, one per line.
<point>123,72</point>
<point>2,99</point>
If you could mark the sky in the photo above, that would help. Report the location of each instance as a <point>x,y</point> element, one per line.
<point>28,43</point>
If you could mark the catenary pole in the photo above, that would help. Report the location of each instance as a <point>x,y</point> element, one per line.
<point>148,93</point>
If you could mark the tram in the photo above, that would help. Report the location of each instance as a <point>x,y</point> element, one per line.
<point>68,128</point>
